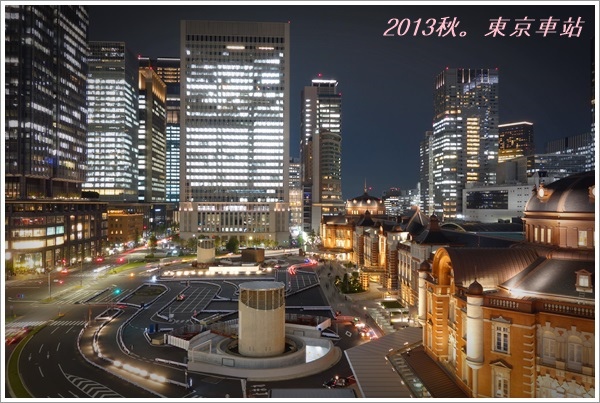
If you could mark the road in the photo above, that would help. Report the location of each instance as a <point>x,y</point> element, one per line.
<point>51,365</point>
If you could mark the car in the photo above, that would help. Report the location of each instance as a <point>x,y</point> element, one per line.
<point>180,297</point>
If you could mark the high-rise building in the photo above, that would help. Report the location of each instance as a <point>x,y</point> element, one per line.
<point>464,147</point>
<point>540,168</point>
<point>112,122</point>
<point>581,144</point>
<point>397,200</point>
<point>426,179</point>
<point>45,60</point>
<point>321,154</point>
<point>515,140</point>
<point>45,106</point>
<point>152,145</point>
<point>235,129</point>
<point>168,69</point>
<point>295,196</point>
<point>593,99</point>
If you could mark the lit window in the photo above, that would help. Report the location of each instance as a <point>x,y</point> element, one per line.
<point>582,239</point>
<point>501,340</point>
<point>501,382</point>
<point>584,281</point>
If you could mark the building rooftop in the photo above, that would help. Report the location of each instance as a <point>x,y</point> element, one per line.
<point>573,194</point>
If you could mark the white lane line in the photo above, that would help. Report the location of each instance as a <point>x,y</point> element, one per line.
<point>73,394</point>
<point>58,346</point>
<point>41,373</point>
<point>40,350</point>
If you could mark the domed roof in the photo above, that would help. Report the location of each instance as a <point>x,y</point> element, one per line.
<point>575,193</point>
<point>475,288</point>
<point>365,200</point>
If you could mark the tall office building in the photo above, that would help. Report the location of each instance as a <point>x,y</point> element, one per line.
<point>321,153</point>
<point>465,135</point>
<point>152,145</point>
<point>515,140</point>
<point>168,69</point>
<point>47,224</point>
<point>112,122</point>
<point>295,196</point>
<point>581,144</point>
<point>426,180</point>
<point>593,100</point>
<point>235,129</point>
<point>45,106</point>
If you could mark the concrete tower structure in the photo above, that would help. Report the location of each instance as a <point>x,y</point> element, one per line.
<point>261,319</point>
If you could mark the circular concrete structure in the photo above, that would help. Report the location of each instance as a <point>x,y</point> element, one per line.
<point>261,330</point>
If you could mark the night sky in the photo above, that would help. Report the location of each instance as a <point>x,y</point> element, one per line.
<point>387,82</point>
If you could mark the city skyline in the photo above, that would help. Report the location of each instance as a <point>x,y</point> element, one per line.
<point>389,113</point>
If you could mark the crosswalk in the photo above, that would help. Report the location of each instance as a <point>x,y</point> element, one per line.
<point>91,388</point>
<point>18,325</point>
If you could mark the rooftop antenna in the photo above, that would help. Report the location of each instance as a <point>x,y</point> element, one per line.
<point>365,185</point>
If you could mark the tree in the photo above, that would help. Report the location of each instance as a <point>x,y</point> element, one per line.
<point>232,245</point>
<point>192,244</point>
<point>152,242</point>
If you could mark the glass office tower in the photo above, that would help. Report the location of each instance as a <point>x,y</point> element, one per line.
<point>234,129</point>
<point>464,147</point>
<point>168,69</point>
<point>515,140</point>
<point>45,106</point>
<point>112,122</point>
<point>152,145</point>
<point>321,152</point>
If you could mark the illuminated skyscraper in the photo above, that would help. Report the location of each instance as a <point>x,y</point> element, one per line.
<point>234,129</point>
<point>321,152</point>
<point>45,107</point>
<point>464,146</point>
<point>581,145</point>
<point>152,137</point>
<point>295,196</point>
<point>45,69</point>
<point>168,69</point>
<point>112,122</point>
<point>515,140</point>
<point>426,175</point>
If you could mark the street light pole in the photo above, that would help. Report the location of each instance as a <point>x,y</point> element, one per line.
<point>49,286</point>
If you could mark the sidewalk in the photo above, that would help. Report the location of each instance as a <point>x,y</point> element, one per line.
<point>364,305</point>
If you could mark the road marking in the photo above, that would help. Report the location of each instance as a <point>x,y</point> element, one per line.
<point>40,350</point>
<point>58,346</point>
<point>41,373</point>
<point>73,394</point>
